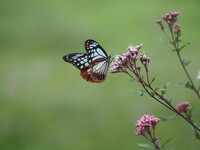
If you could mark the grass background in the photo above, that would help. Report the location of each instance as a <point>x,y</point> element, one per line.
<point>46,105</point>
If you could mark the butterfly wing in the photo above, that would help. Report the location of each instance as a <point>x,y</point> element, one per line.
<point>97,71</point>
<point>94,51</point>
<point>79,60</point>
<point>100,69</point>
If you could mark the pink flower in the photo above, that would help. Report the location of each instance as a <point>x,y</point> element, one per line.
<point>132,49</point>
<point>128,61</point>
<point>115,68</point>
<point>120,60</point>
<point>170,19</point>
<point>177,28</point>
<point>182,107</point>
<point>160,23</point>
<point>144,124</point>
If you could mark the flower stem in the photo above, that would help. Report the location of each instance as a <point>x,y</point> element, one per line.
<point>177,49</point>
<point>186,72</point>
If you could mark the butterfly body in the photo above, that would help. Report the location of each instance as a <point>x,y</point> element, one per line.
<point>93,64</point>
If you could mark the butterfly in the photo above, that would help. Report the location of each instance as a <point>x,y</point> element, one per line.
<point>93,64</point>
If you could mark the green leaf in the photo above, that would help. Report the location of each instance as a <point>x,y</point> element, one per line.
<point>191,111</point>
<point>142,92</point>
<point>180,84</point>
<point>167,118</point>
<point>181,47</point>
<point>164,40</point>
<point>197,137</point>
<point>185,44</point>
<point>186,61</point>
<point>152,80</point>
<point>133,80</point>
<point>163,92</point>
<point>167,141</point>
<point>177,38</point>
<point>166,85</point>
<point>169,99</point>
<point>152,93</point>
<point>159,89</point>
<point>145,145</point>
<point>187,85</point>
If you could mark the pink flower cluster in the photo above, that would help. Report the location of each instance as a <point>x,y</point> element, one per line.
<point>182,107</point>
<point>170,19</point>
<point>128,60</point>
<point>144,124</point>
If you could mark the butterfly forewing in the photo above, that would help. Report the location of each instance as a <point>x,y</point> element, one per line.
<point>94,51</point>
<point>79,60</point>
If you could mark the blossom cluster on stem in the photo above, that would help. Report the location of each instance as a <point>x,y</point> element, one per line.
<point>182,107</point>
<point>128,61</point>
<point>146,127</point>
<point>170,19</point>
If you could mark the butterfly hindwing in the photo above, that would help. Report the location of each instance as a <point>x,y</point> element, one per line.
<point>99,69</point>
<point>79,60</point>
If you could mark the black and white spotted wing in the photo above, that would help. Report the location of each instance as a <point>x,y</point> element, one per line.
<point>79,60</point>
<point>94,51</point>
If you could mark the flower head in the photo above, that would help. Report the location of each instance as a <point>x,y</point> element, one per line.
<point>134,49</point>
<point>182,107</point>
<point>144,124</point>
<point>160,24</point>
<point>126,60</point>
<point>170,19</point>
<point>177,28</point>
<point>115,68</point>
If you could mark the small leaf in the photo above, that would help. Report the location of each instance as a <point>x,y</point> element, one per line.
<point>145,145</point>
<point>133,80</point>
<point>159,89</point>
<point>164,40</point>
<point>182,47</point>
<point>152,80</point>
<point>174,50</point>
<point>180,84</point>
<point>185,44</point>
<point>168,118</point>
<point>177,38</point>
<point>167,84</point>
<point>187,85</point>
<point>191,111</point>
<point>186,61</point>
<point>142,92</point>
<point>152,93</point>
<point>167,141</point>
<point>169,99</point>
<point>163,92</point>
<point>197,137</point>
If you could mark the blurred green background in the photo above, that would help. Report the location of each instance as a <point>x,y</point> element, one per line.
<point>46,105</point>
